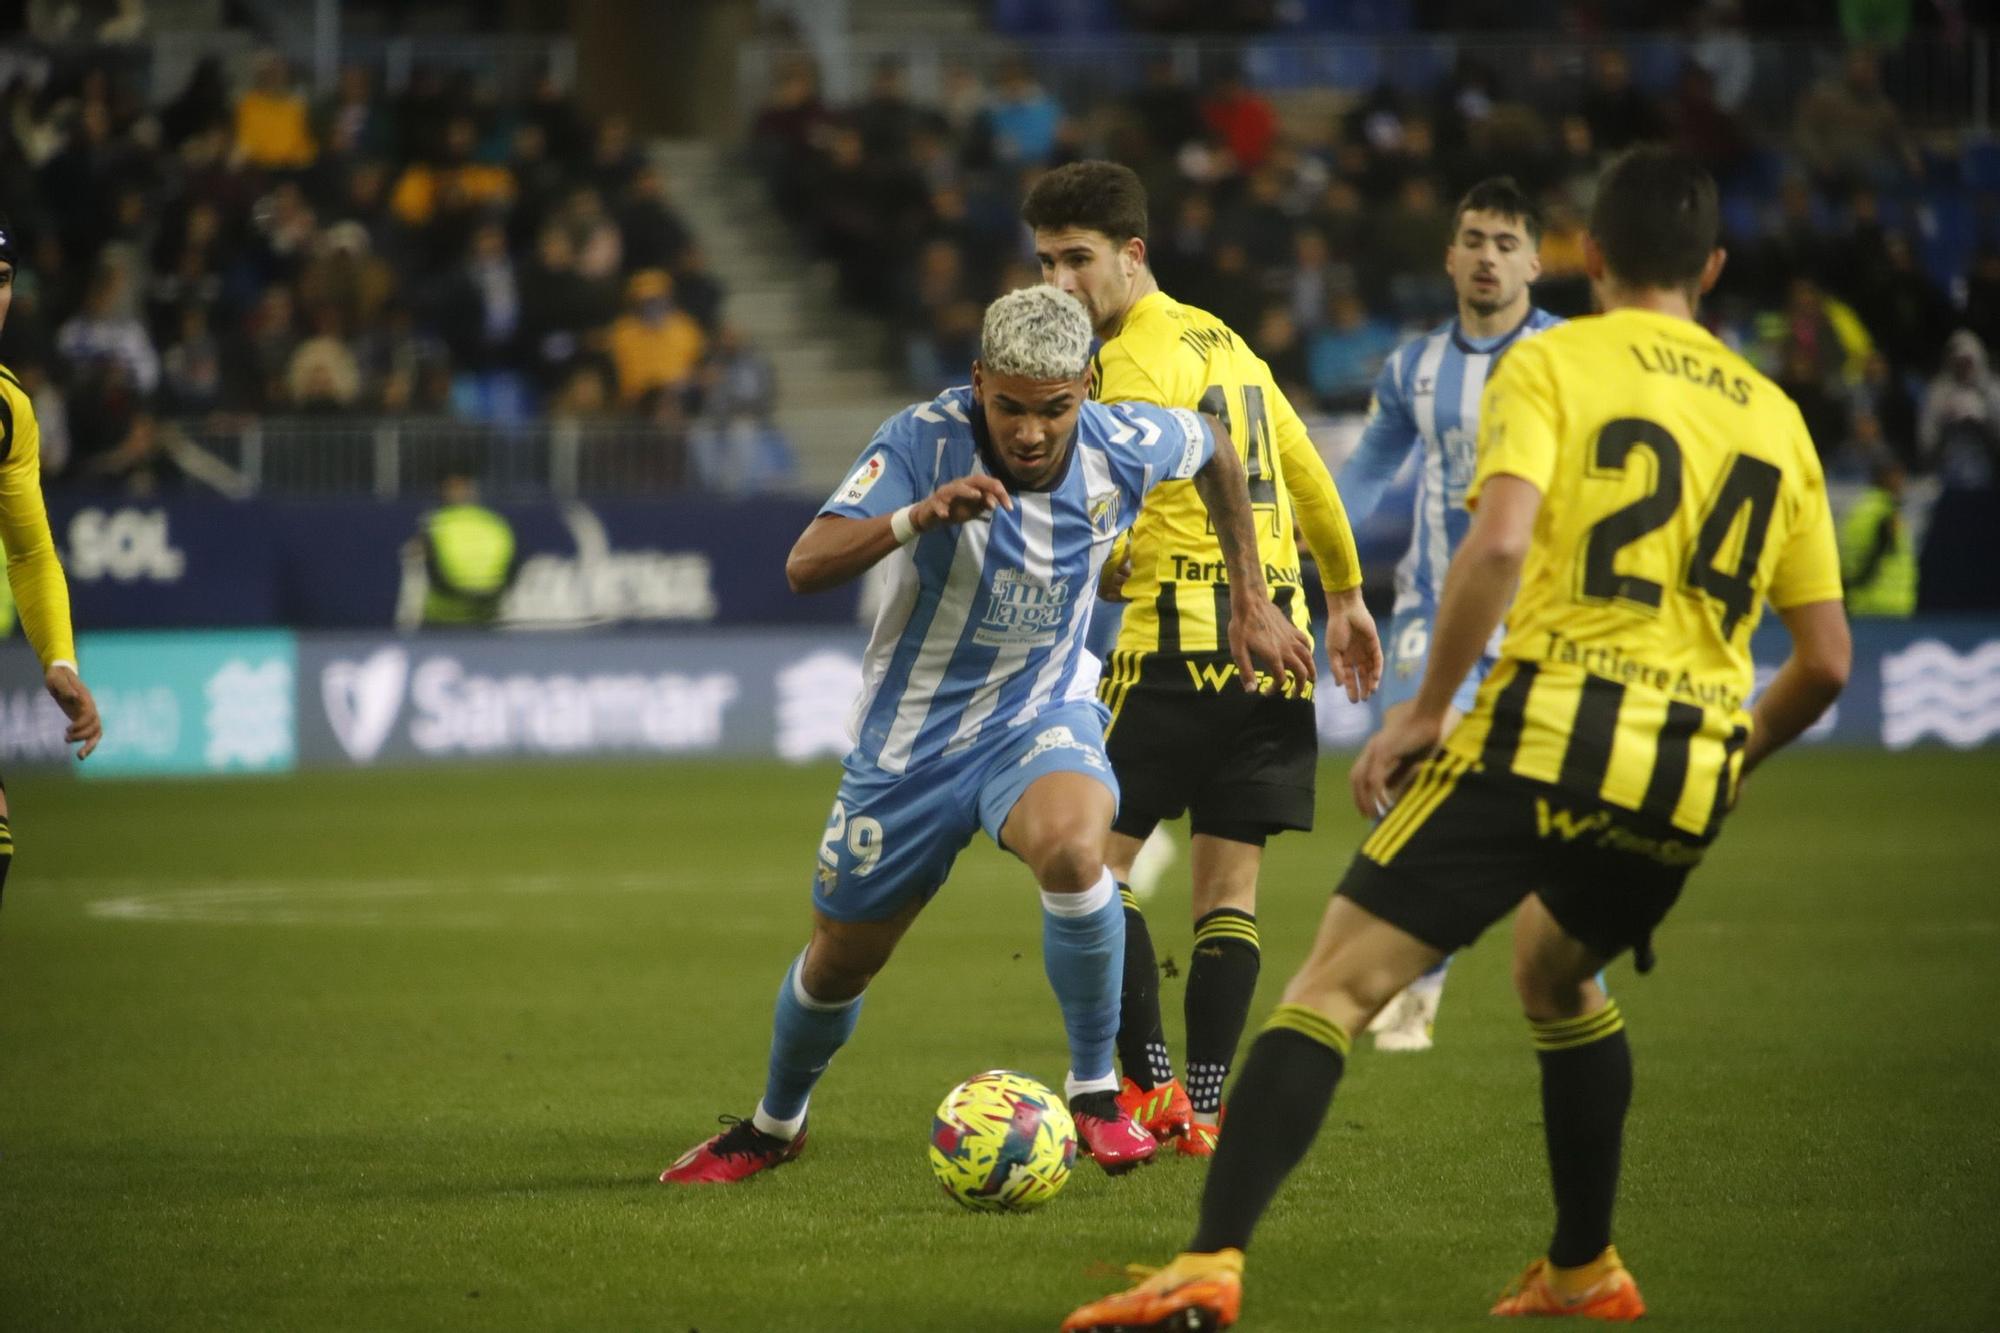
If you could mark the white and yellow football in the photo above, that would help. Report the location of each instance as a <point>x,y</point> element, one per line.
<point>1002,1142</point>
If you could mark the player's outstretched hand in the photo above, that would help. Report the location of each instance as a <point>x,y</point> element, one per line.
<point>73,697</point>
<point>960,501</point>
<point>1391,757</point>
<point>1353,645</point>
<point>1262,636</point>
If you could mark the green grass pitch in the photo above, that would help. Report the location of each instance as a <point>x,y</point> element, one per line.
<point>409,1050</point>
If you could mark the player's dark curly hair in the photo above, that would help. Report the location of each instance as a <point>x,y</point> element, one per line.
<point>1098,196</point>
<point>1500,196</point>
<point>1656,218</point>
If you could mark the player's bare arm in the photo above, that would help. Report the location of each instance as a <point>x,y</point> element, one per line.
<point>834,548</point>
<point>1477,589</point>
<point>1807,684</point>
<point>86,729</point>
<point>1259,630</point>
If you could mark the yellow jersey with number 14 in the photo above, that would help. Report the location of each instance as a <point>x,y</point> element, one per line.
<point>1680,492</point>
<point>1178,356</point>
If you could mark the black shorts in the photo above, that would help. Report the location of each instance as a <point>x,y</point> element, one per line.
<point>1463,847</point>
<point>1240,765</point>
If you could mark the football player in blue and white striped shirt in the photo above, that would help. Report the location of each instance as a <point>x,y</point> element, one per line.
<point>1427,399</point>
<point>994,507</point>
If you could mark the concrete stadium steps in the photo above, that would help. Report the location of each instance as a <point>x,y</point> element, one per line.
<point>832,388</point>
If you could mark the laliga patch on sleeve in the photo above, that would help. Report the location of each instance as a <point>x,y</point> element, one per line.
<point>862,481</point>
<point>1192,433</point>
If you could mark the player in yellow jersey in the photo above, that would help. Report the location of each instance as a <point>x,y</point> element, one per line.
<point>1649,492</point>
<point>33,573</point>
<point>1184,735</point>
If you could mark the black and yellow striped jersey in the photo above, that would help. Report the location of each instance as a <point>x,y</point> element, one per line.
<point>1177,356</point>
<point>33,572</point>
<point>1680,492</point>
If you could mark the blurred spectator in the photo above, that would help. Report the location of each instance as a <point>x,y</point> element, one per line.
<point>272,128</point>
<point>345,277</point>
<point>1618,113</point>
<point>454,182</point>
<point>1878,565</point>
<point>1703,128</point>
<point>584,395</point>
<point>264,352</point>
<point>106,331</point>
<point>323,375</point>
<point>539,182</point>
<point>1314,278</point>
<point>786,132</point>
<point>654,233</point>
<point>355,123</point>
<point>599,246</point>
<point>1166,110</point>
<point>1824,330</point>
<point>885,116</point>
<point>941,319</point>
<point>697,289</point>
<point>1344,355</point>
<point>733,449</point>
<point>1723,49</point>
<point>559,308</point>
<point>1277,341</point>
<point>1850,133</point>
<point>1884,401</point>
<point>1803,379</point>
<point>1243,120</point>
<point>481,314</point>
<point>201,105</point>
<point>655,345</point>
<point>191,368</point>
<point>1959,431</point>
<point>614,158</point>
<point>187,264</point>
<point>1023,116</point>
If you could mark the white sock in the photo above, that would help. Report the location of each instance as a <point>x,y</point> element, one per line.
<point>1088,903</point>
<point>776,1128</point>
<point>1074,1087</point>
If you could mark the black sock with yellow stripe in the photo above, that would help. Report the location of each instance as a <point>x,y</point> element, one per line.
<point>1275,1110</point>
<point>1142,1041</point>
<point>6,853</point>
<point>1222,980</point>
<point>1586,1086</point>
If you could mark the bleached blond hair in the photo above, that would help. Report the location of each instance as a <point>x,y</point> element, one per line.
<point>1037,333</point>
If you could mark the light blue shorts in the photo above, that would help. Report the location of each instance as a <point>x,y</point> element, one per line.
<point>893,837</point>
<point>1409,646</point>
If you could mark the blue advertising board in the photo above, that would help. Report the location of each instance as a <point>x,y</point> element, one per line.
<point>197,563</point>
<point>237,701</point>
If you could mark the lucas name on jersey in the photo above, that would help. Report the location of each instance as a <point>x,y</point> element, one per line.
<point>1660,359</point>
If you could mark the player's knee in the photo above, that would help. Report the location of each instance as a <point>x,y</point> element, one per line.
<point>1547,994</point>
<point>1064,849</point>
<point>832,980</point>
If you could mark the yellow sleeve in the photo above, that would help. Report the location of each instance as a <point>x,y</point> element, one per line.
<point>1808,569</point>
<point>1121,379</point>
<point>1519,423</point>
<point>1315,500</point>
<point>33,572</point>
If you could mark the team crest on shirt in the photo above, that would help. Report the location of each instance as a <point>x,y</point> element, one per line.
<point>863,480</point>
<point>1104,514</point>
<point>1024,611</point>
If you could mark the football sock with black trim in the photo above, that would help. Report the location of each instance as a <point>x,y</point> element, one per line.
<point>1281,1095</point>
<point>6,853</point>
<point>1142,1041</point>
<point>1586,1088</point>
<point>1222,980</point>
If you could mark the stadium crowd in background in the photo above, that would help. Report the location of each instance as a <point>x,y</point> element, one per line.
<point>439,249</point>
<point>1857,246</point>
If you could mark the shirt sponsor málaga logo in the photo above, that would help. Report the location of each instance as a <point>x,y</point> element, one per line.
<point>1023,611</point>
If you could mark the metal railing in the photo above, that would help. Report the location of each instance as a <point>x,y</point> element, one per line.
<point>1936,82</point>
<point>387,457</point>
